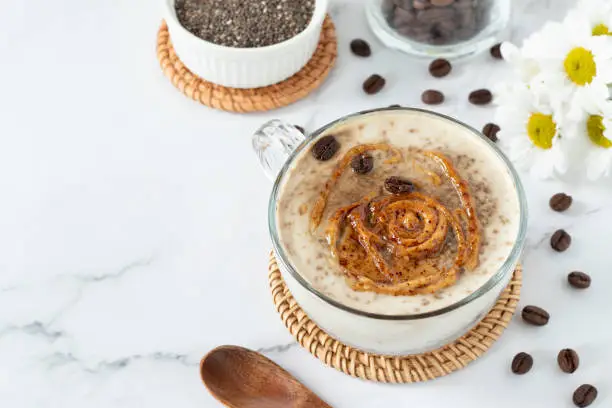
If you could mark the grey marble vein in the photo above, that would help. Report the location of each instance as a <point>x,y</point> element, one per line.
<point>537,243</point>
<point>593,211</point>
<point>35,328</point>
<point>85,281</point>
<point>89,279</point>
<point>141,263</point>
<point>278,348</point>
<point>10,288</point>
<point>61,359</point>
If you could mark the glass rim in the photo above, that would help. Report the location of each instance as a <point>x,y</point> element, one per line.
<point>508,265</point>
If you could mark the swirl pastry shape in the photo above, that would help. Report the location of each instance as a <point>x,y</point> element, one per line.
<point>404,244</point>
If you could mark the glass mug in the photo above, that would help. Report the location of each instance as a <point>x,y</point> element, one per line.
<point>277,144</point>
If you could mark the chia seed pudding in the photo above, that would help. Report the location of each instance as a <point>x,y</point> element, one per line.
<point>239,24</point>
<point>416,138</point>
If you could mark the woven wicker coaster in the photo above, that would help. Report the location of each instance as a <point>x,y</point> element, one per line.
<point>393,369</point>
<point>250,100</point>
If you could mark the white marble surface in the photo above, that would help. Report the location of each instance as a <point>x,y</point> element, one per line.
<point>133,227</point>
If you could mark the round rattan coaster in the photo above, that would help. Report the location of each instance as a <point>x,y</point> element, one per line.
<point>393,369</point>
<point>250,100</point>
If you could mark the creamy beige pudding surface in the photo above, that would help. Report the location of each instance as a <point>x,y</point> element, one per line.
<point>404,252</point>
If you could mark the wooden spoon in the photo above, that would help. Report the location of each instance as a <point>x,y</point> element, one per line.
<point>242,378</point>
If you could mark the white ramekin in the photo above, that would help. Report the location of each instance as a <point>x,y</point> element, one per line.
<point>245,67</point>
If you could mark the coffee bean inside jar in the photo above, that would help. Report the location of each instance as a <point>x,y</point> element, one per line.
<point>442,28</point>
<point>438,22</point>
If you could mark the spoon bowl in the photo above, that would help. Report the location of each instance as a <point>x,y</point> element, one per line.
<point>242,378</point>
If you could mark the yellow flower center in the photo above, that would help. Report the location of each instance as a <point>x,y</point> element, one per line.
<point>580,66</point>
<point>541,129</point>
<point>601,29</point>
<point>596,129</point>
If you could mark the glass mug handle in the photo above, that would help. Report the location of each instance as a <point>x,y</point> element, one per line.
<point>273,143</point>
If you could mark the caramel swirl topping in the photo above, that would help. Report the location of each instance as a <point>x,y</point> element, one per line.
<point>402,244</point>
<point>319,206</point>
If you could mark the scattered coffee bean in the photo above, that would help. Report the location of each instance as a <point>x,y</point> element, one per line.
<point>362,164</point>
<point>361,48</point>
<point>301,129</point>
<point>325,148</point>
<point>490,130</point>
<point>579,280</point>
<point>535,315</point>
<point>432,97</point>
<point>481,97</point>
<point>584,395</point>
<point>560,202</point>
<point>522,363</point>
<point>496,51</point>
<point>398,185</point>
<point>440,68</point>
<point>568,360</point>
<point>373,84</point>
<point>560,240</point>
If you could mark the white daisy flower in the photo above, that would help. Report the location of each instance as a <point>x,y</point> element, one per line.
<point>524,68</point>
<point>524,60</point>
<point>575,68</point>
<point>530,132</point>
<point>595,16</point>
<point>595,140</point>
<point>533,45</point>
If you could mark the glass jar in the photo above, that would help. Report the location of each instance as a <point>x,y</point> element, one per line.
<point>439,28</point>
